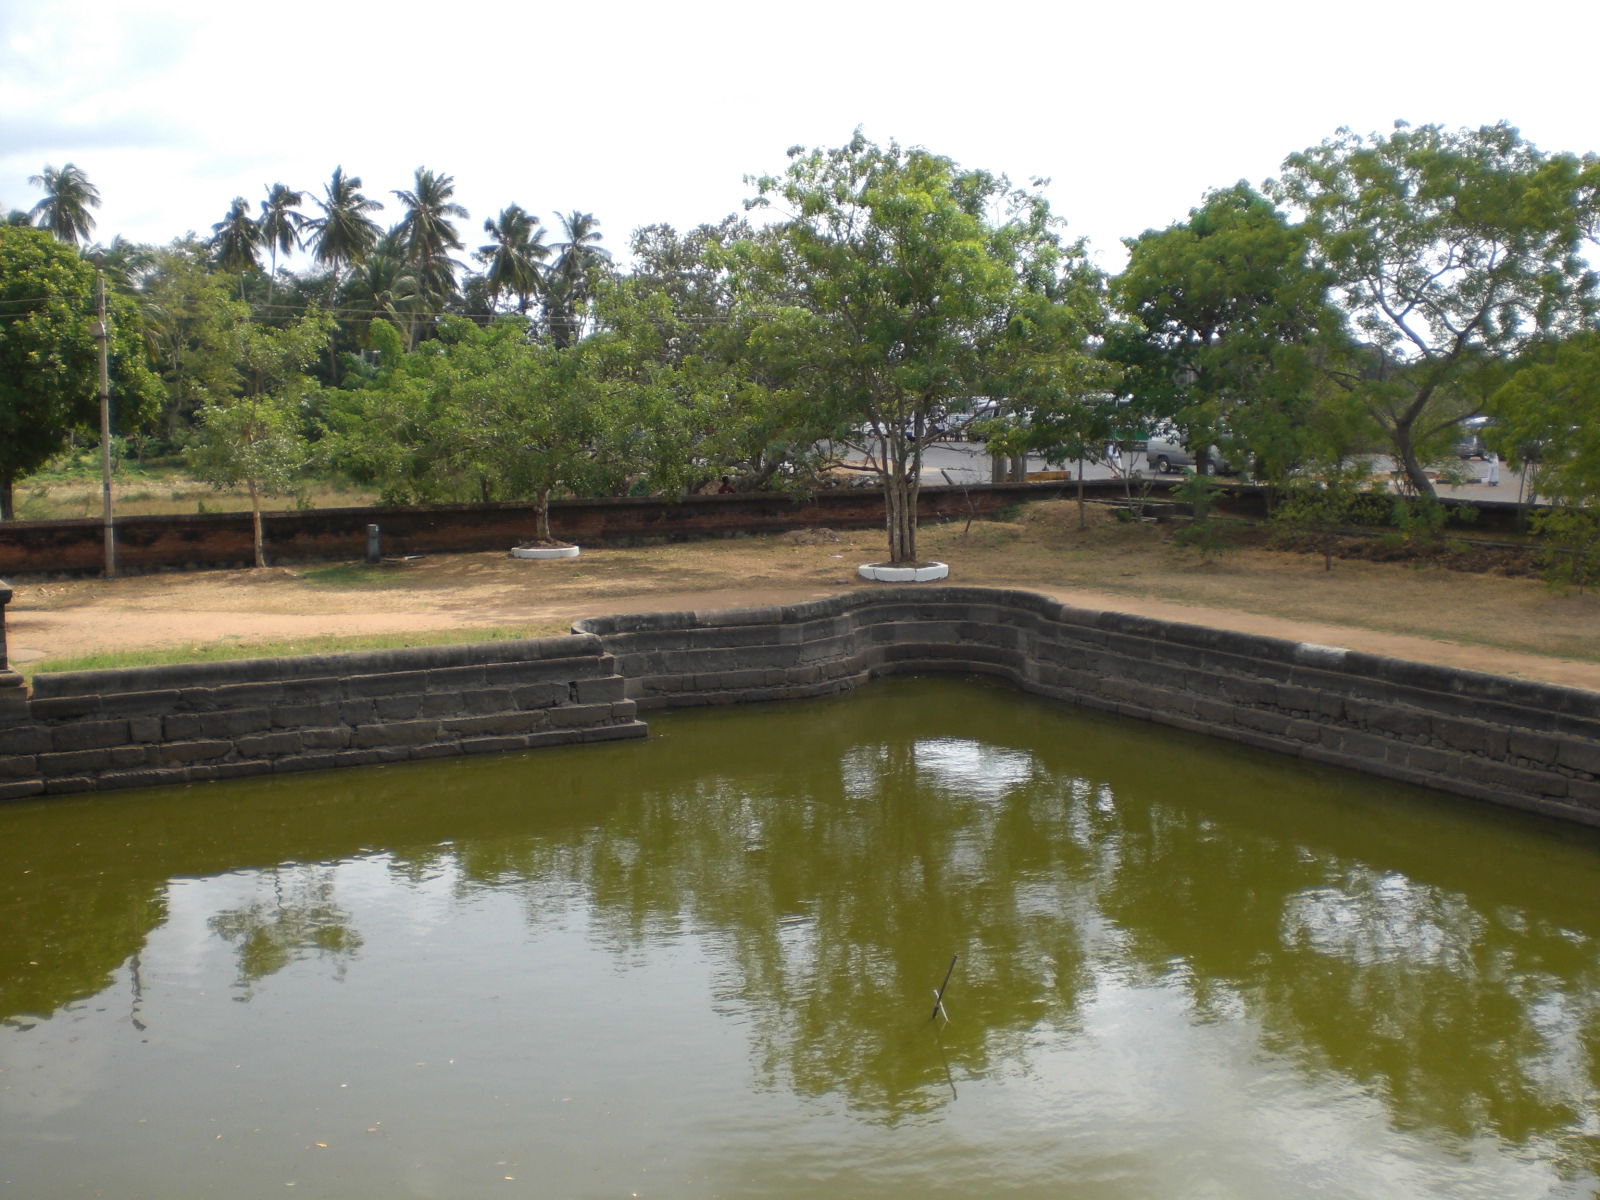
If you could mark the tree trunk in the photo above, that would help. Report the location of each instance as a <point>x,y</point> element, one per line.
<point>900,515</point>
<point>8,496</point>
<point>1083,516</point>
<point>255,520</point>
<point>541,524</point>
<point>1414,473</point>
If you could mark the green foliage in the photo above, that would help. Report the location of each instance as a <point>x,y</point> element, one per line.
<point>68,197</point>
<point>1339,494</point>
<point>487,414</point>
<point>1453,251</point>
<point>717,400</point>
<point>1570,550</point>
<point>514,260</point>
<point>1203,532</point>
<point>1225,321</point>
<point>345,231</point>
<point>236,239</point>
<point>255,434</point>
<point>49,357</point>
<point>1420,521</point>
<point>191,329</point>
<point>425,237</point>
<point>570,285</point>
<point>1548,418</point>
<point>898,276</point>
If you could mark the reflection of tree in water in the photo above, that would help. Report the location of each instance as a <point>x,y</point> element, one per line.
<point>833,893</point>
<point>74,949</point>
<point>300,920</point>
<point>832,879</point>
<point>829,872</point>
<point>1459,1018</point>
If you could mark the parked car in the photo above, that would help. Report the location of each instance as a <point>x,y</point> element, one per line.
<point>1470,443</point>
<point>1165,453</point>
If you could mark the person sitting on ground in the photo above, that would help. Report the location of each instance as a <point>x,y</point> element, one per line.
<point>727,486</point>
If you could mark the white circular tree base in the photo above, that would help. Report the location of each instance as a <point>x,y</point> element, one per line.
<point>888,573</point>
<point>544,552</point>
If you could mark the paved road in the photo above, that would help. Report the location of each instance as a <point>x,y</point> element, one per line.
<point>968,462</point>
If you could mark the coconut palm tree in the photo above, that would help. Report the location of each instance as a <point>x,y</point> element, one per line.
<point>127,264</point>
<point>235,239</point>
<point>427,234</point>
<point>68,197</point>
<point>515,258</point>
<point>580,261</point>
<point>383,285</point>
<point>344,233</point>
<point>280,224</point>
<point>342,236</point>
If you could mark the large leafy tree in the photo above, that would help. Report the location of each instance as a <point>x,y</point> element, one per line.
<point>483,412</point>
<point>49,357</point>
<point>1452,252</point>
<point>68,197</point>
<point>1224,320</point>
<point>711,400</point>
<point>190,322</point>
<point>895,277</point>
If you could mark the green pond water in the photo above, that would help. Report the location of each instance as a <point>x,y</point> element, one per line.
<point>704,965</point>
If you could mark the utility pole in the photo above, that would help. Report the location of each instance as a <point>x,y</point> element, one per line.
<point>102,333</point>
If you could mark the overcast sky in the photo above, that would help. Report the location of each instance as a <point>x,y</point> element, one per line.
<point>655,112</point>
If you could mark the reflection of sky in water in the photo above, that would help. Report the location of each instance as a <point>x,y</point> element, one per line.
<point>1372,918</point>
<point>971,769</point>
<point>961,767</point>
<point>1384,920</point>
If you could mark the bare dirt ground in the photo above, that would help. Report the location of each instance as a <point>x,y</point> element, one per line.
<point>1489,622</point>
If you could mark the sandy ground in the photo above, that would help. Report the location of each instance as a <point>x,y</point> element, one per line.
<point>448,592</point>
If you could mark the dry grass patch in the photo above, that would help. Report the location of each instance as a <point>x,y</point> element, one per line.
<point>1106,563</point>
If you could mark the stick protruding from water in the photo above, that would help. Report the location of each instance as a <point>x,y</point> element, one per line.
<point>938,996</point>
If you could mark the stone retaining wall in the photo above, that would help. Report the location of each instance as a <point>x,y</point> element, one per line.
<point>95,730</point>
<point>1527,745</point>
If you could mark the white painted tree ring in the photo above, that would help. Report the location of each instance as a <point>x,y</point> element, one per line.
<point>544,552</point>
<point>891,573</point>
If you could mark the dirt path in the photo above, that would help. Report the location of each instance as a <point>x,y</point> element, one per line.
<point>469,591</point>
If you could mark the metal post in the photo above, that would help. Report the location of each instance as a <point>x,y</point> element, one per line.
<point>102,333</point>
<point>374,545</point>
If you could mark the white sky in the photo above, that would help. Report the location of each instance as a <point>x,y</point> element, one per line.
<point>647,112</point>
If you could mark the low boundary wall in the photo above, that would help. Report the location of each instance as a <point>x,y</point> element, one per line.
<point>211,540</point>
<point>1525,745</point>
